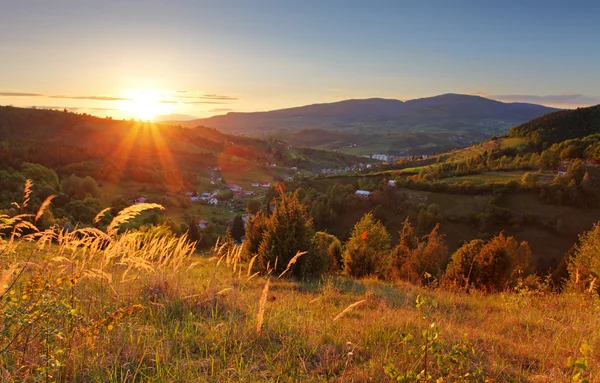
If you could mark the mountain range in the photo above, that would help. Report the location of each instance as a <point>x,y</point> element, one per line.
<point>393,126</point>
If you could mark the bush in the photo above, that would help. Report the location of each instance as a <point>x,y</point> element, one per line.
<point>286,232</point>
<point>584,265</point>
<point>419,261</point>
<point>491,266</point>
<point>325,255</point>
<point>367,251</point>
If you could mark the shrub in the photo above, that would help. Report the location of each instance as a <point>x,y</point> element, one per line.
<point>584,265</point>
<point>286,232</point>
<point>491,266</point>
<point>325,255</point>
<point>419,261</point>
<point>367,250</point>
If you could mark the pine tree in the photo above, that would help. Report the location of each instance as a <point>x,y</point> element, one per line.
<point>237,230</point>
<point>286,232</point>
<point>367,251</point>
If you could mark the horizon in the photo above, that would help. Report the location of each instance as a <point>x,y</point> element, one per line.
<point>199,59</point>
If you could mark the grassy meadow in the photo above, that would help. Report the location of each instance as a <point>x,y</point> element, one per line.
<point>108,306</point>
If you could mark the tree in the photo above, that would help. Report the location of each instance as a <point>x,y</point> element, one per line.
<point>529,179</point>
<point>420,261</point>
<point>253,206</point>
<point>193,232</point>
<point>287,231</point>
<point>407,244</point>
<point>491,266</point>
<point>237,230</point>
<point>254,233</point>
<point>325,254</point>
<point>463,260</point>
<point>584,266</point>
<point>367,251</point>
<point>550,160</point>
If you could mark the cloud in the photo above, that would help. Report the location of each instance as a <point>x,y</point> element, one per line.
<point>205,102</point>
<point>95,98</point>
<point>220,110</point>
<point>211,96</point>
<point>59,96</point>
<point>19,94</point>
<point>567,100</point>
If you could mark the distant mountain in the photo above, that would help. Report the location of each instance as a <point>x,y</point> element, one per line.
<point>559,126</point>
<point>448,111</point>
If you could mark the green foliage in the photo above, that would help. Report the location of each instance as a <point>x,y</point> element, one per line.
<point>237,230</point>
<point>419,262</point>
<point>584,265</point>
<point>83,211</point>
<point>367,252</point>
<point>286,232</point>
<point>561,125</point>
<point>253,206</point>
<point>255,228</point>
<point>325,255</point>
<point>491,266</point>
<point>529,179</point>
<point>550,160</point>
<point>434,359</point>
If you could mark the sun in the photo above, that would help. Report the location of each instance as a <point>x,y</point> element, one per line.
<point>144,105</point>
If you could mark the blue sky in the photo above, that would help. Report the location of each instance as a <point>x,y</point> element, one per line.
<point>268,54</point>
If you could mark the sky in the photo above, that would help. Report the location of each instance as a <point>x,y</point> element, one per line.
<point>184,59</point>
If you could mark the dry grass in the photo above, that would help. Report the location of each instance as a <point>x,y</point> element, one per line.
<point>89,306</point>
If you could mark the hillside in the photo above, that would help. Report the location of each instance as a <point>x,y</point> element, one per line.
<point>381,125</point>
<point>559,126</point>
<point>90,163</point>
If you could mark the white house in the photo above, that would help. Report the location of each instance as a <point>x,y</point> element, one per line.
<point>265,185</point>
<point>392,183</point>
<point>140,199</point>
<point>202,224</point>
<point>363,193</point>
<point>194,198</point>
<point>255,184</point>
<point>234,188</point>
<point>213,201</point>
<point>206,196</point>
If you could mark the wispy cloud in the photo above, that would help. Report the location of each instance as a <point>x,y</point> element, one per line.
<point>20,94</point>
<point>220,110</point>
<point>205,102</point>
<point>168,97</point>
<point>96,98</point>
<point>209,97</point>
<point>568,100</point>
<point>60,96</point>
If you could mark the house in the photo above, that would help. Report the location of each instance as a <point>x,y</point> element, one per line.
<point>202,224</point>
<point>213,201</point>
<point>362,193</point>
<point>140,199</point>
<point>392,183</point>
<point>189,193</point>
<point>206,196</point>
<point>255,184</point>
<point>249,193</point>
<point>561,170</point>
<point>194,198</point>
<point>234,188</point>
<point>265,185</point>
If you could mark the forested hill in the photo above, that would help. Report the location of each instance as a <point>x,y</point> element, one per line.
<point>559,126</point>
<point>105,148</point>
